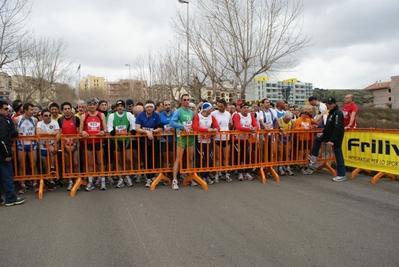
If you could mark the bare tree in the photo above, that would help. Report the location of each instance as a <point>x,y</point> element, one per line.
<point>41,65</point>
<point>13,28</point>
<point>237,40</point>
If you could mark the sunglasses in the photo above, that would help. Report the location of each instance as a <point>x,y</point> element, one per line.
<point>186,99</point>
<point>47,115</point>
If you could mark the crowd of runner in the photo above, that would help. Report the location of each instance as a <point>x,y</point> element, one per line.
<point>98,118</point>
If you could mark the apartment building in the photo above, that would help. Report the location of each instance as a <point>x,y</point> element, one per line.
<point>385,94</point>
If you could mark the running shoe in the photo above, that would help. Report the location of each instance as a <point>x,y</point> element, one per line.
<point>51,186</point>
<point>312,159</point>
<point>90,187</point>
<point>208,180</point>
<point>216,180</point>
<point>240,177</point>
<point>148,182</point>
<point>138,178</point>
<point>174,185</point>
<point>290,173</point>
<point>339,178</point>
<point>248,176</point>
<point>193,183</point>
<point>228,178</point>
<point>120,183</point>
<point>22,189</point>
<point>304,171</point>
<point>281,171</point>
<point>35,187</point>
<point>129,181</point>
<point>110,180</point>
<point>309,170</point>
<point>18,201</point>
<point>70,186</point>
<point>103,185</point>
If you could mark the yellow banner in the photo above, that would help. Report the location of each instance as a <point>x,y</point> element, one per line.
<point>290,80</point>
<point>262,79</point>
<point>372,151</point>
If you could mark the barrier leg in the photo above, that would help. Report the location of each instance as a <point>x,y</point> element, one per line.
<point>274,173</point>
<point>262,176</point>
<point>328,167</point>
<point>78,183</point>
<point>41,187</point>
<point>354,173</point>
<point>194,176</point>
<point>160,177</point>
<point>380,175</point>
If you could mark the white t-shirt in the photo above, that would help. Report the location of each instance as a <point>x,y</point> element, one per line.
<point>47,128</point>
<point>224,119</point>
<point>266,116</point>
<point>204,122</point>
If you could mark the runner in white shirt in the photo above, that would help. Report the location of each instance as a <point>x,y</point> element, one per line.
<point>222,150</point>
<point>48,147</point>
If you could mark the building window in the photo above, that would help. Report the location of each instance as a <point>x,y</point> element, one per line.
<point>389,98</point>
<point>389,90</point>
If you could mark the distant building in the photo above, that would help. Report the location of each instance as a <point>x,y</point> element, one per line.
<point>115,90</point>
<point>5,86</point>
<point>385,94</point>
<point>292,90</point>
<point>91,83</point>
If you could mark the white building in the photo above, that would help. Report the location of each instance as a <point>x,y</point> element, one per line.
<point>292,90</point>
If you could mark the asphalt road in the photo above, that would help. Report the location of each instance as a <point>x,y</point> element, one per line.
<point>300,221</point>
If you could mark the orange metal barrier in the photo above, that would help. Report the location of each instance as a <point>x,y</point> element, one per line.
<point>262,150</point>
<point>126,155</point>
<point>32,157</point>
<point>135,154</point>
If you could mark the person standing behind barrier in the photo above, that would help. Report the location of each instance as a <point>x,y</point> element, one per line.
<point>92,127</point>
<point>26,126</point>
<point>245,122</point>
<point>167,138</point>
<point>182,120</point>
<point>122,122</point>
<point>350,112</point>
<point>222,150</point>
<point>205,122</point>
<point>48,147</point>
<point>285,142</point>
<point>6,170</point>
<point>82,108</point>
<point>304,123</point>
<point>55,111</point>
<point>148,122</point>
<point>332,135</point>
<point>69,124</point>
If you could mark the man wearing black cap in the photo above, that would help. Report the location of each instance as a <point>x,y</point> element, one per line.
<point>17,107</point>
<point>129,105</point>
<point>332,135</point>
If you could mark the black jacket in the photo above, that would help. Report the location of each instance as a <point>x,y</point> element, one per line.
<point>334,129</point>
<point>5,138</point>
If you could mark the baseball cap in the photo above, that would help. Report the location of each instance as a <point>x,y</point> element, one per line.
<point>331,100</point>
<point>120,102</point>
<point>129,102</point>
<point>206,106</point>
<point>192,105</point>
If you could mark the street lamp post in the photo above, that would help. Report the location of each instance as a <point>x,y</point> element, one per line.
<point>188,44</point>
<point>130,82</point>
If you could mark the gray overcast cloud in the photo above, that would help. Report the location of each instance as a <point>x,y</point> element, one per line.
<point>356,42</point>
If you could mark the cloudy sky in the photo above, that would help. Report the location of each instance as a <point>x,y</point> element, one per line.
<point>355,42</point>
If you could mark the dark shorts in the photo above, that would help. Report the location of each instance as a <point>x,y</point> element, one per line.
<point>222,143</point>
<point>97,146</point>
<point>167,147</point>
<point>118,145</point>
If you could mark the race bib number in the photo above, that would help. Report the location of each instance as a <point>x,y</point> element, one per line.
<point>121,129</point>
<point>94,126</point>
